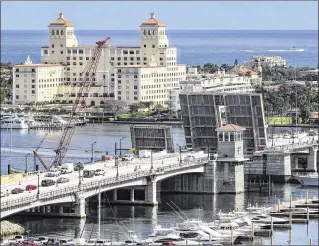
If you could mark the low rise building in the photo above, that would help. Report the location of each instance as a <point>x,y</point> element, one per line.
<point>267,61</point>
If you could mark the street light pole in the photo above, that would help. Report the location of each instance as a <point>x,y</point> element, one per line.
<point>180,154</point>
<point>92,152</point>
<point>26,163</point>
<point>152,167</point>
<point>121,145</point>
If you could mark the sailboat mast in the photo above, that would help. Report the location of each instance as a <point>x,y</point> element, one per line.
<point>10,161</point>
<point>99,213</point>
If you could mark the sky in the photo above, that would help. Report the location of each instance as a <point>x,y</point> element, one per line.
<point>177,15</point>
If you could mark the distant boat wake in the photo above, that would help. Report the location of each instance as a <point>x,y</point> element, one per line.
<point>301,50</point>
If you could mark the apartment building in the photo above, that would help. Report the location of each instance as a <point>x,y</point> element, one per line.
<point>131,74</point>
<point>267,61</point>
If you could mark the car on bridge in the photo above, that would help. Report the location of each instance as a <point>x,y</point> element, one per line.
<point>99,172</point>
<point>47,182</point>
<point>62,180</point>
<point>53,174</point>
<point>30,187</point>
<point>17,191</point>
<point>43,240</point>
<point>16,239</point>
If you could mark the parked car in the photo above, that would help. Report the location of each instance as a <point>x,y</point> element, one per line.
<point>62,180</point>
<point>53,174</point>
<point>66,242</point>
<point>53,241</point>
<point>88,173</point>
<point>78,167</point>
<point>99,172</point>
<point>30,187</point>
<point>27,242</point>
<point>16,239</point>
<point>47,182</point>
<point>17,191</point>
<point>43,240</point>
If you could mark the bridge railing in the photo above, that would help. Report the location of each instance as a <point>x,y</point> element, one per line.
<point>95,184</point>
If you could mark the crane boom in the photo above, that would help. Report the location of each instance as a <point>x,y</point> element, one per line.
<point>36,154</point>
<point>88,75</point>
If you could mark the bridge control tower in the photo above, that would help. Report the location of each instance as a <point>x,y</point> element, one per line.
<point>229,161</point>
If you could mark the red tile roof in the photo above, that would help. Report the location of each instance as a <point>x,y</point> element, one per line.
<point>152,22</point>
<point>230,128</point>
<point>61,22</point>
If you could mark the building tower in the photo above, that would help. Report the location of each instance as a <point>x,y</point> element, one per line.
<point>229,161</point>
<point>153,38</point>
<point>61,36</point>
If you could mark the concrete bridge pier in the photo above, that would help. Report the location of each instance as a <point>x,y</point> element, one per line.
<point>132,195</point>
<point>312,158</point>
<point>151,192</point>
<point>79,210</point>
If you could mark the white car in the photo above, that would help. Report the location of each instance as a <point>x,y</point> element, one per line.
<point>43,240</point>
<point>99,172</point>
<point>53,174</point>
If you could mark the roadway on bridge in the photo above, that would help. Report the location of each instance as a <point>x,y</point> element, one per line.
<point>125,167</point>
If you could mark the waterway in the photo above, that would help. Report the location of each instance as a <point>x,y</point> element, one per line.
<point>142,219</point>
<point>138,218</point>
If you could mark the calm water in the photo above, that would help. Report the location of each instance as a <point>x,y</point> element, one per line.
<point>194,47</point>
<point>143,219</point>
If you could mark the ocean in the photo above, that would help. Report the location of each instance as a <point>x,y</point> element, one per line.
<point>194,47</point>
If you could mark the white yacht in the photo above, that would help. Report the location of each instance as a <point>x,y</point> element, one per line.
<point>310,179</point>
<point>17,123</point>
<point>266,219</point>
<point>296,49</point>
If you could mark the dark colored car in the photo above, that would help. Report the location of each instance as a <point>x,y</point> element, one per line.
<point>47,182</point>
<point>17,191</point>
<point>78,167</point>
<point>30,187</point>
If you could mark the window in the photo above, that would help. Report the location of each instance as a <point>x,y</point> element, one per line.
<point>33,81</point>
<point>61,34</point>
<point>81,58</point>
<point>33,91</point>
<point>137,52</point>
<point>52,45</point>
<point>68,58</point>
<point>74,58</point>
<point>57,32</point>
<point>17,86</point>
<point>125,52</point>
<point>81,63</point>
<point>17,97</point>
<point>149,32</point>
<point>144,32</point>
<point>17,75</point>
<point>112,58</point>
<point>144,45</point>
<point>33,70</point>
<point>61,52</point>
<point>125,63</point>
<point>137,58</point>
<point>145,59</point>
<point>45,52</point>
<point>53,32</point>
<point>135,76</point>
<point>125,58</point>
<point>153,46</point>
<point>68,63</point>
<point>80,51</point>
<point>52,51</point>
<point>33,86</point>
<point>74,63</point>
<point>120,98</point>
<point>87,58</point>
<point>132,52</point>
<point>132,58</point>
<point>135,87</point>
<point>135,98</point>
<point>153,32</point>
<point>61,45</point>
<point>119,92</point>
<point>119,58</point>
<point>74,51</point>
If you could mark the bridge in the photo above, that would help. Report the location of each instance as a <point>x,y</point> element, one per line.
<point>138,172</point>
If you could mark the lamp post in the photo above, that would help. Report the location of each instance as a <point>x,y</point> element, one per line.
<point>273,129</point>
<point>152,167</point>
<point>121,145</point>
<point>180,154</point>
<point>92,150</point>
<point>116,160</point>
<point>26,163</point>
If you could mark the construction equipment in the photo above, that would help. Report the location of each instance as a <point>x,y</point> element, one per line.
<point>36,154</point>
<point>88,76</point>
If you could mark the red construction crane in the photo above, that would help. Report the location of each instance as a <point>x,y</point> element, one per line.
<point>88,75</point>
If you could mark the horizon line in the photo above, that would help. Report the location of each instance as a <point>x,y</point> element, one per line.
<point>169,30</point>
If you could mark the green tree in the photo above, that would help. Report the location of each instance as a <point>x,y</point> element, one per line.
<point>236,62</point>
<point>3,95</point>
<point>210,68</point>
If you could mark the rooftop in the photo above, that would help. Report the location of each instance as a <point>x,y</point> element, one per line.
<point>61,22</point>
<point>152,22</point>
<point>230,128</point>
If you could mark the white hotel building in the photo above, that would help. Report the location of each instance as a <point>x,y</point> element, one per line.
<point>130,74</point>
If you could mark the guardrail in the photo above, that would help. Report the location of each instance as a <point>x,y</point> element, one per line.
<point>289,147</point>
<point>95,184</point>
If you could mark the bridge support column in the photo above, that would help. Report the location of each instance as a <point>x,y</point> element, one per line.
<point>79,210</point>
<point>150,193</point>
<point>115,195</point>
<point>312,159</point>
<point>132,195</point>
<point>42,209</point>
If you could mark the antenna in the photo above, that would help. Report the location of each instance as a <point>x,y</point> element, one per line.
<point>179,209</point>
<point>175,211</point>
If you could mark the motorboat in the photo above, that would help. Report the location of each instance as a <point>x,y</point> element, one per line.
<point>296,49</point>
<point>310,179</point>
<point>14,123</point>
<point>266,219</point>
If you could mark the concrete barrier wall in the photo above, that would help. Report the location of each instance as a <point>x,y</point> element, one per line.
<point>12,178</point>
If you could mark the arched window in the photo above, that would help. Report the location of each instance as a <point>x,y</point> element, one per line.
<point>92,103</point>
<point>57,32</point>
<point>102,102</point>
<point>144,32</point>
<point>53,32</point>
<point>61,32</point>
<point>149,32</point>
<point>153,32</point>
